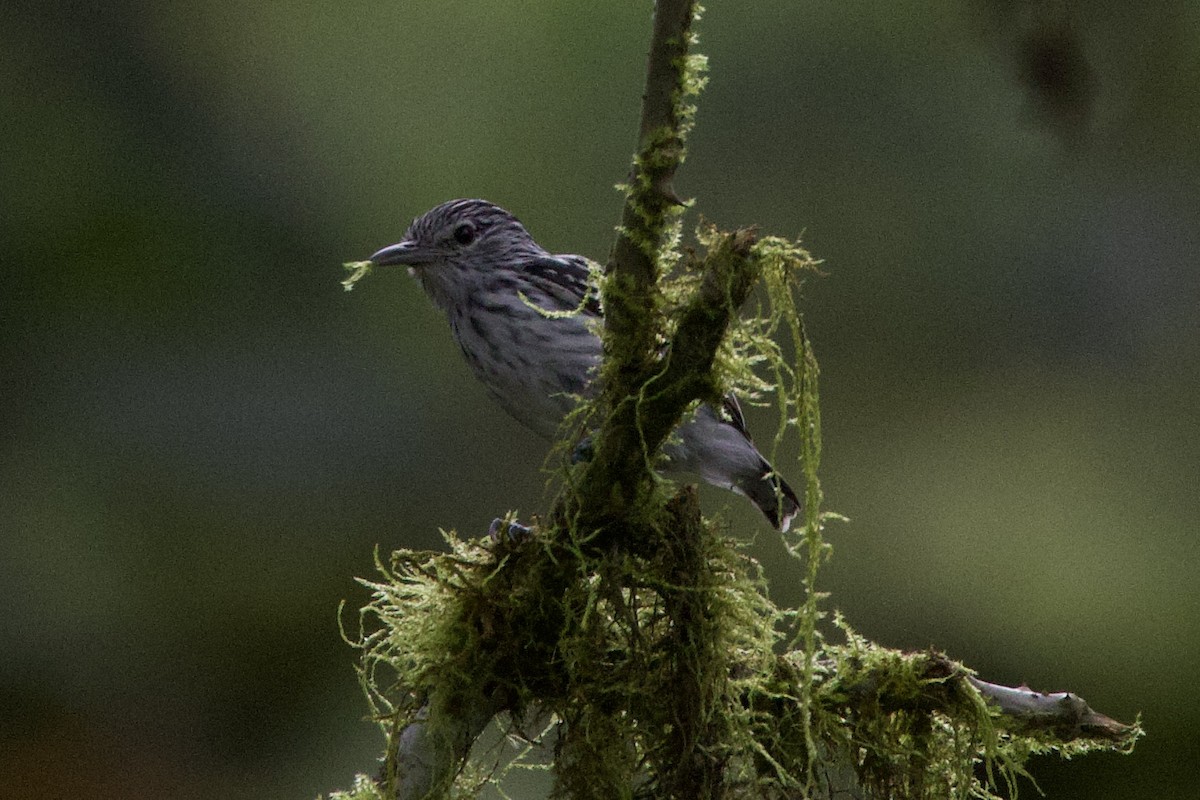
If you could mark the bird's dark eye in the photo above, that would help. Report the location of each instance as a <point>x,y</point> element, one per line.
<point>464,233</point>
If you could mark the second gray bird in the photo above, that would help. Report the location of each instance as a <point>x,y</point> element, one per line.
<point>483,269</point>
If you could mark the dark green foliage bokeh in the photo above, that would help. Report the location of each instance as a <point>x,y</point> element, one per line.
<point>204,437</point>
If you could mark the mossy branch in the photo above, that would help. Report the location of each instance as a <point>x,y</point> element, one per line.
<point>636,424</point>
<point>730,271</point>
<point>642,630</point>
<point>619,476</point>
<point>662,671</point>
<point>632,267</point>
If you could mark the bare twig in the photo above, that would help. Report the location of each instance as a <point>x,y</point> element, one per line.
<point>429,754</point>
<point>1063,714</point>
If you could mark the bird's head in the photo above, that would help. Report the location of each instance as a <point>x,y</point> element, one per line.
<point>458,230</point>
<point>455,245</point>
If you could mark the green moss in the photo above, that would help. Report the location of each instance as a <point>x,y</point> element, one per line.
<point>358,270</point>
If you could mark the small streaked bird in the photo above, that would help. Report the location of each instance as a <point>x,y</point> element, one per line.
<point>483,269</point>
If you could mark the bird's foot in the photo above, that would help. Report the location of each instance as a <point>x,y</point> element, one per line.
<point>583,452</point>
<point>514,534</point>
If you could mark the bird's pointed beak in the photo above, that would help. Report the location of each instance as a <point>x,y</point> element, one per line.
<point>406,252</point>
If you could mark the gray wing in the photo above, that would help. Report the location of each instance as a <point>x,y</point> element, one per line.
<point>566,281</point>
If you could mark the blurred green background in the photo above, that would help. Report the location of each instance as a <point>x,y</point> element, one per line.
<point>204,437</point>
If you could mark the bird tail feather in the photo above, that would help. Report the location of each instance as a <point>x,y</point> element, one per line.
<point>774,498</point>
